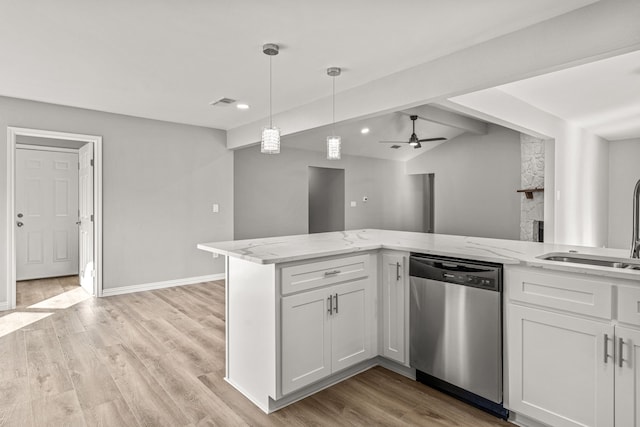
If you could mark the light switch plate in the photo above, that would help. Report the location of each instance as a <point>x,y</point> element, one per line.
<point>216,208</point>
<point>353,204</point>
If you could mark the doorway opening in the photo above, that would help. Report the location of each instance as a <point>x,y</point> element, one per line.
<point>326,199</point>
<point>54,224</point>
<point>428,203</point>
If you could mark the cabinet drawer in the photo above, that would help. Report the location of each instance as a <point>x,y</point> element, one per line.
<point>312,275</point>
<point>564,291</point>
<point>629,304</point>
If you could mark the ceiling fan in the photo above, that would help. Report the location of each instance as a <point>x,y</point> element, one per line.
<point>414,141</point>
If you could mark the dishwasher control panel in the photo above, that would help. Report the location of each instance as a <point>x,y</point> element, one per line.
<point>481,281</point>
<point>461,272</point>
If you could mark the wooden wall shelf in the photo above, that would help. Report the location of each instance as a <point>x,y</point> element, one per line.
<point>528,192</point>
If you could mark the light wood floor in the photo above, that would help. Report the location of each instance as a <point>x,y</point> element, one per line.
<point>157,359</point>
<point>29,292</point>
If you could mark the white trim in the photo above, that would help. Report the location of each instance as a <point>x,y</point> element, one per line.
<point>161,285</point>
<point>10,248</point>
<point>12,134</point>
<point>46,148</point>
<point>4,306</point>
<point>97,215</point>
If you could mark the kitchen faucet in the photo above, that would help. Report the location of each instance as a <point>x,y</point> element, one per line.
<point>635,238</point>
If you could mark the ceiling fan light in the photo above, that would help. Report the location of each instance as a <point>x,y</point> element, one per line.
<point>333,147</point>
<point>414,143</point>
<point>270,140</point>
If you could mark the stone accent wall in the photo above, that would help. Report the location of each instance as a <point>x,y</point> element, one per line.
<point>532,176</point>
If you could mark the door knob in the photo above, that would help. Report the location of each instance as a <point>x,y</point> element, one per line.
<point>19,224</point>
<point>20,215</point>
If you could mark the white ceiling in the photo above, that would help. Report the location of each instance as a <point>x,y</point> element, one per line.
<point>168,59</point>
<point>602,96</point>
<point>394,127</point>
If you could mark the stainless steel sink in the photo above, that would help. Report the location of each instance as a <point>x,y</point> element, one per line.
<point>602,261</point>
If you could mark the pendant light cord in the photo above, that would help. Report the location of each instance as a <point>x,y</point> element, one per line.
<point>270,98</point>
<point>334,106</point>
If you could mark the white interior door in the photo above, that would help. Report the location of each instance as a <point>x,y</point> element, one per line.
<point>87,267</point>
<point>46,214</point>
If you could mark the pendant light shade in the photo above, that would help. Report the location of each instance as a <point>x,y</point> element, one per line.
<point>334,142</point>
<point>270,140</point>
<point>333,147</point>
<point>270,134</point>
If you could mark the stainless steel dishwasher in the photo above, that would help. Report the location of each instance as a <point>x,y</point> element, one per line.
<point>456,328</point>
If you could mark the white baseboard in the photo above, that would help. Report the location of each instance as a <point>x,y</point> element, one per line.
<point>523,421</point>
<point>160,285</point>
<point>4,306</point>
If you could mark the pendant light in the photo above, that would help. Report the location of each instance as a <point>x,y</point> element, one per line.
<point>271,134</point>
<point>333,141</point>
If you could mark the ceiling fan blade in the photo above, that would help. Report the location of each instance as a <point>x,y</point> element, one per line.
<point>432,139</point>
<point>394,142</point>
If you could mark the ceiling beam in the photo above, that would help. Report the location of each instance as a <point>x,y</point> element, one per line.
<point>447,118</point>
<point>603,29</point>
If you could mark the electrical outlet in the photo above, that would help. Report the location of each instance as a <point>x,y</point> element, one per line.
<point>216,208</point>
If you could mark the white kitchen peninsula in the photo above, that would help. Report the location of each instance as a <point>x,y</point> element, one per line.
<point>304,312</point>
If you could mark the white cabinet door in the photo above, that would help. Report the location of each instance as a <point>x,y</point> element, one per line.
<point>306,339</point>
<point>393,307</point>
<point>627,377</point>
<point>351,324</point>
<point>557,369</point>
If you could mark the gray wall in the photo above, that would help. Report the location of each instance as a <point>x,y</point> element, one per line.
<point>271,193</point>
<point>326,199</point>
<point>476,178</point>
<point>159,182</point>
<point>624,172</point>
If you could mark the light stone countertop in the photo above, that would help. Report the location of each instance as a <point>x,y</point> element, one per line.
<point>276,250</point>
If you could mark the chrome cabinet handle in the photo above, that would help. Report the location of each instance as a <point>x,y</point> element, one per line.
<point>331,273</point>
<point>19,223</point>
<point>620,347</point>
<point>330,304</point>
<point>336,303</point>
<point>606,348</point>
<point>397,271</point>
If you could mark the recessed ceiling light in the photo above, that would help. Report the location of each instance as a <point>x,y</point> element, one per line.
<point>242,106</point>
<point>364,131</point>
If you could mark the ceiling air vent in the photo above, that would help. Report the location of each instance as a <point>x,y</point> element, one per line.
<point>222,102</point>
<point>395,147</point>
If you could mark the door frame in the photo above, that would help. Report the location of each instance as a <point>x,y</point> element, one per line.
<point>12,134</point>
